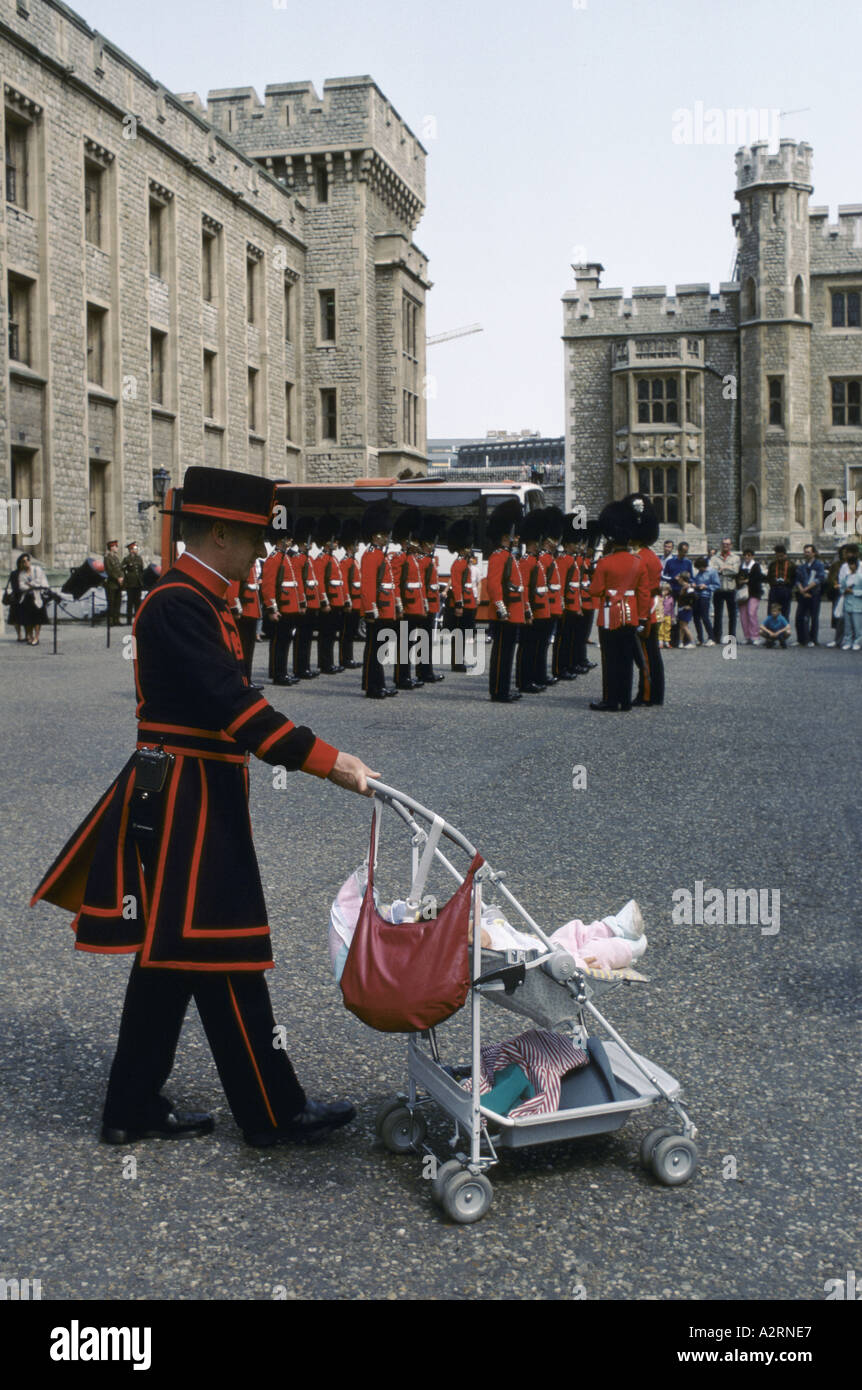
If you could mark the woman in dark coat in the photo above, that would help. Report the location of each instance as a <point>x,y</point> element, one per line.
<point>12,596</point>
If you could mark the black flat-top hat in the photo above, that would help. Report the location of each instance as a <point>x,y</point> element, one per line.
<point>617,523</point>
<point>407,526</point>
<point>225,495</point>
<point>460,535</point>
<point>646,520</point>
<point>505,520</point>
<point>376,521</point>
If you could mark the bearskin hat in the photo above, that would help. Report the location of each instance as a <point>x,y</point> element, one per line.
<point>572,529</point>
<point>326,529</point>
<point>350,532</point>
<point>407,526</point>
<point>505,519</point>
<point>617,522</point>
<point>304,528</point>
<point>460,535</point>
<point>430,529</point>
<point>646,518</point>
<point>552,523</point>
<point>376,520</point>
<point>533,526</point>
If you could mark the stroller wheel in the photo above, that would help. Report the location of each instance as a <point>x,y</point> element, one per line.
<point>446,1171</point>
<point>393,1103</point>
<point>651,1142</point>
<point>467,1196</point>
<point>674,1160</point>
<point>402,1132</point>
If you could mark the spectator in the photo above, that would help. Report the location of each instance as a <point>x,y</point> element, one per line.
<point>775,627</point>
<point>667,553</point>
<point>33,588</point>
<point>851,590</point>
<point>675,566</point>
<point>780,577</point>
<point>668,604</point>
<point>749,592</point>
<point>810,575</point>
<point>685,606</point>
<point>12,596</point>
<point>833,588</point>
<point>726,565</point>
<point>705,585</point>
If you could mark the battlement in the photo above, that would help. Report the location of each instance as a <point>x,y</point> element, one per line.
<point>652,304</point>
<point>791,163</point>
<point>293,119</point>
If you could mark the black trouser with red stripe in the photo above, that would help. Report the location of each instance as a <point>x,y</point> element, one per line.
<point>235,1010</point>
<point>650,667</point>
<point>618,658</point>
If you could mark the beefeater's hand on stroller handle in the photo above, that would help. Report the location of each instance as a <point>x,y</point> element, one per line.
<point>352,774</point>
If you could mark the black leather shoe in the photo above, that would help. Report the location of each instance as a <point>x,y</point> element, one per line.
<point>177,1124</point>
<point>600,704</point>
<point>314,1122</point>
<point>567,676</point>
<point>375,694</point>
<point>352,665</point>
<point>583,670</point>
<point>533,689</point>
<point>505,699</point>
<point>331,670</point>
<point>591,665</point>
<point>390,690</point>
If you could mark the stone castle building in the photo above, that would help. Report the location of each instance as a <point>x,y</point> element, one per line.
<point>739,413</point>
<point>234,285</point>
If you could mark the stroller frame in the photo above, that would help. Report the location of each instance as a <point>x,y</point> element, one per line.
<point>562,992</point>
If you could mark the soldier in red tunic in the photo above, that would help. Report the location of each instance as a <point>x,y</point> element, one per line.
<point>506,595</point>
<point>244,600</point>
<point>647,653</point>
<point>411,590</point>
<point>462,600</point>
<point>280,593</point>
<point>331,587</point>
<point>552,529</point>
<point>310,600</point>
<point>530,681</point>
<point>586,564</point>
<point>379,605</point>
<point>431,528</point>
<point>164,865</point>
<point>352,576</point>
<point>570,582</point>
<point>620,588</point>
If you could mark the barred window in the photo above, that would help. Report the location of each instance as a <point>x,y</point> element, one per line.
<point>776,400</point>
<point>327,315</point>
<point>661,486</point>
<point>96,322</point>
<point>94,180</point>
<point>411,416</point>
<point>846,309</point>
<point>657,400</point>
<point>329,415</point>
<point>158,354</point>
<point>847,402</point>
<point>210,408</point>
<point>19,320</point>
<point>17,161</point>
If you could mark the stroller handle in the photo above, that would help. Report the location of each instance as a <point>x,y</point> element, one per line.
<point>398,798</point>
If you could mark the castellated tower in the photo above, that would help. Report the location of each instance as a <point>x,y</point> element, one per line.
<point>778,501</point>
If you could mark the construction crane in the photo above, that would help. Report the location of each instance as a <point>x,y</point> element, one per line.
<point>454,333</point>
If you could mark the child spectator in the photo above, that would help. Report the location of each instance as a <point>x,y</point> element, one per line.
<point>684,610</point>
<point>775,628</point>
<point>667,606</point>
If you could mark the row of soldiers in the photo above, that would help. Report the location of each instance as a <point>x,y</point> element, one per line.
<point>547,577</point>
<point>545,599</point>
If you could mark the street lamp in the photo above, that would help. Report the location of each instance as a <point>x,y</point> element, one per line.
<point>161,479</point>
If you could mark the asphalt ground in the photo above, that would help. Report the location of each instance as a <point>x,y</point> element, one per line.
<point>747,777</point>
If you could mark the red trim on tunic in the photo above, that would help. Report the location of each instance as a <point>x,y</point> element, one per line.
<point>163,854</point>
<point>321,760</point>
<point>246,715</point>
<point>273,738</point>
<point>88,829</point>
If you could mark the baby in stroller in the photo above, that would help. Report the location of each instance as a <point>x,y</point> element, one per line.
<point>612,943</point>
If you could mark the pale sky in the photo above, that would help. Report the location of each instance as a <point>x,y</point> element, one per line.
<point>554,139</point>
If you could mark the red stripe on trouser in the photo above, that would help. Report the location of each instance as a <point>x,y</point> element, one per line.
<point>233,1001</point>
<point>647,679</point>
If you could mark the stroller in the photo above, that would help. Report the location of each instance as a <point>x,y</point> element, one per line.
<point>546,986</point>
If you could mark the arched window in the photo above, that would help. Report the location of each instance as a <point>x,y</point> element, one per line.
<point>749,299</point>
<point>749,508</point>
<point>799,297</point>
<point>799,505</point>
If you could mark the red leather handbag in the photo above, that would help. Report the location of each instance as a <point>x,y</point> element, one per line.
<point>404,977</point>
